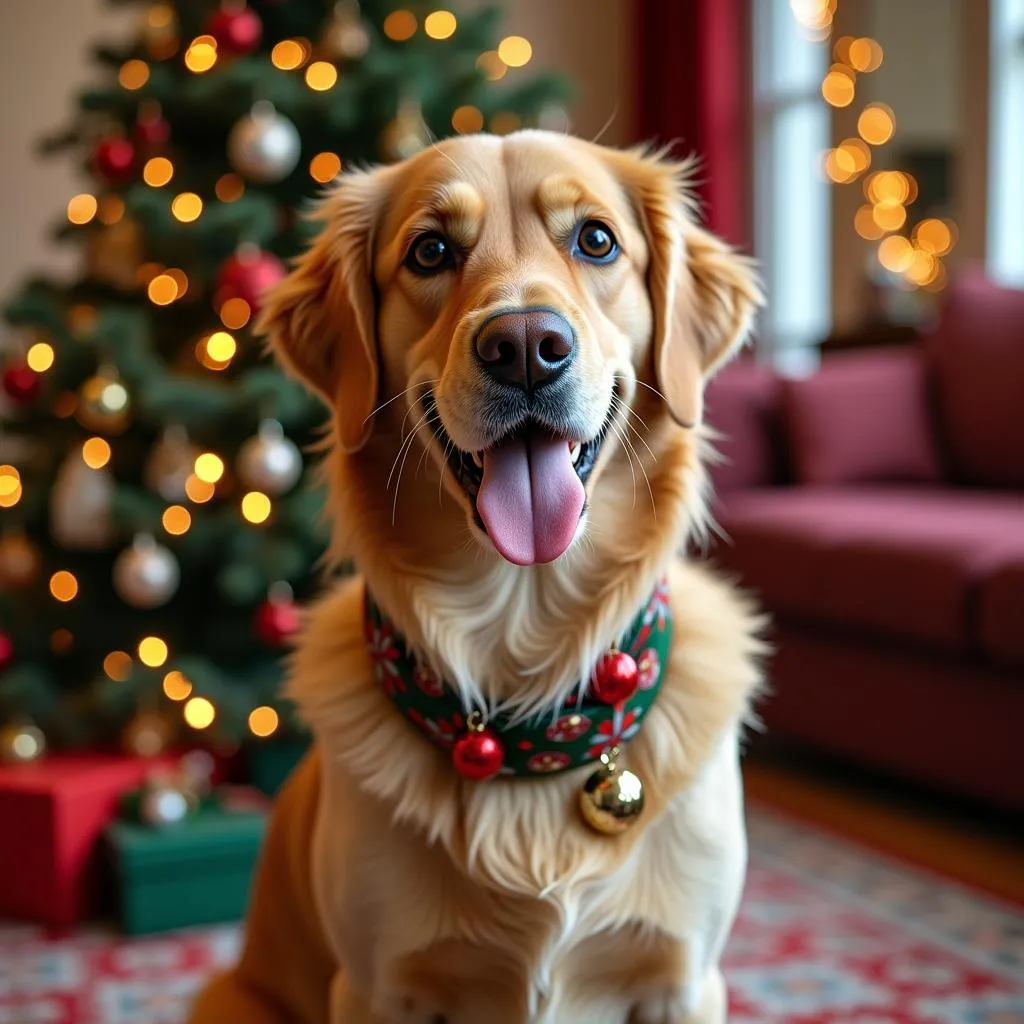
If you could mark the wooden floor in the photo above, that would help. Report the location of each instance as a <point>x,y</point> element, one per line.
<point>980,847</point>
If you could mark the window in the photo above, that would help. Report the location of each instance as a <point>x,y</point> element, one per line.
<point>792,235</point>
<point>1006,143</point>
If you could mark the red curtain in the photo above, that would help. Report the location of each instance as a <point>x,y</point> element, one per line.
<point>693,71</point>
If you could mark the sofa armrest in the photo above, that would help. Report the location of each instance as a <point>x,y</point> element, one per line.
<point>743,406</point>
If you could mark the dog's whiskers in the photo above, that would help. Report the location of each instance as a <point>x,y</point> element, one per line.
<point>628,445</point>
<point>423,421</point>
<point>619,404</point>
<point>418,384</point>
<point>404,446</point>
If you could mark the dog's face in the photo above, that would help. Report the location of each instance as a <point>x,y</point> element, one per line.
<point>512,294</point>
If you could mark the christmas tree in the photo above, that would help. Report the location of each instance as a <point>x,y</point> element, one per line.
<point>158,530</point>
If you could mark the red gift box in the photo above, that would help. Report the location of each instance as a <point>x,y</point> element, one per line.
<point>52,816</point>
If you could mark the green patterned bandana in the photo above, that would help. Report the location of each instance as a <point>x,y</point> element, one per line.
<point>575,736</point>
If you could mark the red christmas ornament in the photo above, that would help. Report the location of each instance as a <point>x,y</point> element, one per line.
<point>22,383</point>
<point>114,159</point>
<point>236,31</point>
<point>615,678</point>
<point>478,754</point>
<point>276,621</point>
<point>247,276</point>
<point>6,652</point>
<point>153,131</point>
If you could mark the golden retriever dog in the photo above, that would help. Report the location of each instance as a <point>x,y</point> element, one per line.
<point>512,335</point>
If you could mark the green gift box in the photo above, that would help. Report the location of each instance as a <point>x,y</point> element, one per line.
<point>198,871</point>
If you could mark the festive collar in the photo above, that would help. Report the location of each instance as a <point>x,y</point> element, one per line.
<point>580,731</point>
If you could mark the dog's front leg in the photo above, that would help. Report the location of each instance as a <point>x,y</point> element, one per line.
<point>703,1003</point>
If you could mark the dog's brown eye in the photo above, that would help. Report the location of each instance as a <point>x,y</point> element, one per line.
<point>596,242</point>
<point>430,254</point>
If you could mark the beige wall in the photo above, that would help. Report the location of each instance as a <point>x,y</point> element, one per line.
<point>43,61</point>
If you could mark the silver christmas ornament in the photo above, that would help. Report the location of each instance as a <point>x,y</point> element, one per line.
<point>270,462</point>
<point>80,506</point>
<point>170,464</point>
<point>264,145</point>
<point>163,804</point>
<point>146,575</point>
<point>104,404</point>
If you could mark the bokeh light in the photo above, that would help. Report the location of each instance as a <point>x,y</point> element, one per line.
<point>176,520</point>
<point>865,55</point>
<point>64,585</point>
<point>186,207</point>
<point>235,314</point>
<point>157,171</point>
<point>10,485</point>
<point>400,25</point>
<point>515,51</point>
<point>838,86</point>
<point>935,236</point>
<point>505,122</point>
<point>889,215</point>
<point>111,209</point>
<point>221,347</point>
<point>209,467</point>
<point>256,507</point>
<point>134,74</point>
<point>467,120</point>
<point>895,253</point>
<point>200,713</point>
<point>922,268</point>
<point>96,452</point>
<point>40,356</point>
<point>198,490</point>
<point>440,24</point>
<point>856,154</point>
<point>263,721</point>
<point>229,187</point>
<point>177,685</point>
<point>289,54</point>
<point>118,666</point>
<point>200,56</point>
<point>865,225</point>
<point>152,651</point>
<point>162,290</point>
<point>321,76</point>
<point>325,167</point>
<point>876,124</point>
<point>82,208</point>
<point>493,67</point>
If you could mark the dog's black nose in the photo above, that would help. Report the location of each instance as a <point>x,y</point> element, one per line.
<point>526,347</point>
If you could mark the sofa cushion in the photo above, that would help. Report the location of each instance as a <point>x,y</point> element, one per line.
<point>1002,613</point>
<point>900,562</point>
<point>862,418</point>
<point>742,405</point>
<point>977,352</point>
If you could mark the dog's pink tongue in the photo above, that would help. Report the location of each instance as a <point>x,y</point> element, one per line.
<point>530,498</point>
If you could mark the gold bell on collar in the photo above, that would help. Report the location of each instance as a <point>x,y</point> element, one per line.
<point>612,799</point>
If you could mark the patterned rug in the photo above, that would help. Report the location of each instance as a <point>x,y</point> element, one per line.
<point>828,933</point>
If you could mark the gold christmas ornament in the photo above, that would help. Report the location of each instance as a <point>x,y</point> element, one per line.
<point>19,560</point>
<point>21,742</point>
<point>146,735</point>
<point>407,134</point>
<point>345,37</point>
<point>612,799</point>
<point>104,404</point>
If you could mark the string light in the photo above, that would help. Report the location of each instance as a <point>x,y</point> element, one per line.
<point>9,498</point>
<point>176,520</point>
<point>289,54</point>
<point>440,24</point>
<point>152,651</point>
<point>186,207</point>
<point>515,51</point>
<point>200,713</point>
<point>177,685</point>
<point>198,490</point>
<point>235,314</point>
<point>229,187</point>
<point>895,253</point>
<point>493,67</point>
<point>263,721</point>
<point>180,278</point>
<point>864,55</point>
<point>838,86</point>
<point>325,167</point>
<point>134,74</point>
<point>889,216</point>
<point>467,120</point>
<point>400,25</point>
<point>118,666</point>
<point>256,507</point>
<point>209,467</point>
<point>162,290</point>
<point>201,55</point>
<point>157,171</point>
<point>921,269</point>
<point>96,452</point>
<point>221,348</point>
<point>10,486</point>
<point>865,226</point>
<point>206,360</point>
<point>82,208</point>
<point>111,209</point>
<point>40,356</point>
<point>935,236</point>
<point>876,124</point>
<point>64,585</point>
<point>321,76</point>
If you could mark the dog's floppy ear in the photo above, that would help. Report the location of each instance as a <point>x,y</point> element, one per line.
<point>321,320</point>
<point>703,294</point>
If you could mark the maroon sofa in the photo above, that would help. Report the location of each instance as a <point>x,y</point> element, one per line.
<point>877,509</point>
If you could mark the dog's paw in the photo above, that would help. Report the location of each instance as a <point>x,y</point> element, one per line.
<point>666,1008</point>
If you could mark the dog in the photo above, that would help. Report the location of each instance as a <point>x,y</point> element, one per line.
<point>512,334</point>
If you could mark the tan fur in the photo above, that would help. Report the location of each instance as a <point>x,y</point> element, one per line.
<point>442,899</point>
